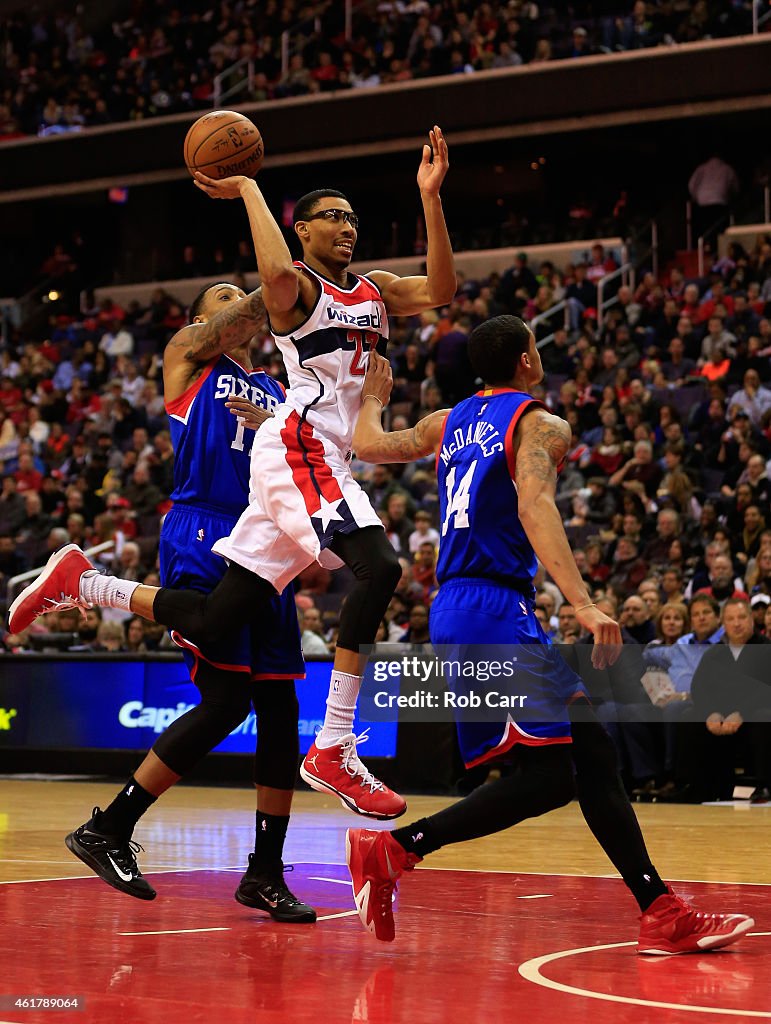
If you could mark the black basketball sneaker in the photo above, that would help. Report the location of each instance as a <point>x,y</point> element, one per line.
<point>111,857</point>
<point>265,889</point>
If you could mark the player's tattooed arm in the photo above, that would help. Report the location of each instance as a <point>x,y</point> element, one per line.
<point>544,441</point>
<point>370,442</point>
<point>232,327</point>
<point>541,443</point>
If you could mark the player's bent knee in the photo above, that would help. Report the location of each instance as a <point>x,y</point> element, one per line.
<point>558,791</point>
<point>194,734</point>
<point>276,700</point>
<point>594,754</point>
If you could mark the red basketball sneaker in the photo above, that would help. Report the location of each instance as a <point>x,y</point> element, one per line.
<point>375,861</point>
<point>670,925</point>
<point>338,770</point>
<point>56,588</point>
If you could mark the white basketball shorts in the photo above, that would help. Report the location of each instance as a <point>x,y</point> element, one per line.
<point>302,493</point>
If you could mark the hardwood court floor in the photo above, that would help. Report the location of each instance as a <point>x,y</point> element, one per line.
<point>531,922</point>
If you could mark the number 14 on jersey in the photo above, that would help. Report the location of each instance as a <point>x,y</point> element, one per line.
<point>458,499</point>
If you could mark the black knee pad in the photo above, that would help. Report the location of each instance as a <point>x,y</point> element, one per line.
<point>275,699</point>
<point>562,790</point>
<point>278,742</point>
<point>594,754</point>
<point>388,569</point>
<point>224,705</point>
<point>549,772</point>
<point>374,563</point>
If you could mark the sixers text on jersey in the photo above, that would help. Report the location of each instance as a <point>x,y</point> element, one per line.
<point>200,478</point>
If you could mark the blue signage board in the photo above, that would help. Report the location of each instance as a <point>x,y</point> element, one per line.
<point>82,703</point>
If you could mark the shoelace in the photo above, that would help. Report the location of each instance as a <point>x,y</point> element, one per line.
<point>682,912</point>
<point>385,897</point>
<point>351,764</point>
<point>125,855</point>
<point>64,603</point>
<point>278,889</point>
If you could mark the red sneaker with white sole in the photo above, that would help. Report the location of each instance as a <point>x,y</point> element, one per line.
<point>670,925</point>
<point>338,770</point>
<point>56,588</point>
<point>376,861</point>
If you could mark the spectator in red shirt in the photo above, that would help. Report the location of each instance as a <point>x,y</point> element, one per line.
<point>715,297</point>
<point>717,367</point>
<point>326,73</point>
<point>424,569</point>
<point>690,305</point>
<point>722,581</point>
<point>597,570</point>
<point>27,477</point>
<point>11,399</point>
<point>83,403</point>
<point>600,265</point>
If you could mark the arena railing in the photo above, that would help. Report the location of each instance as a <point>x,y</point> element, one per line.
<point>627,274</point>
<point>758,19</point>
<point>220,95</point>
<point>559,307</point>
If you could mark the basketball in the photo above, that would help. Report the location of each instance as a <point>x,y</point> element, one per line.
<point>224,143</point>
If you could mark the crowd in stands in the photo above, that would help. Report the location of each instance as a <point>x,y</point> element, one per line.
<point>665,493</point>
<point>69,70</point>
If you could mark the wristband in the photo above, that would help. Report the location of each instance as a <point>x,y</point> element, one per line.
<point>591,604</point>
<point>365,397</point>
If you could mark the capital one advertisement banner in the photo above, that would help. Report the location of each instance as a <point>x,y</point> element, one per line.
<point>125,705</point>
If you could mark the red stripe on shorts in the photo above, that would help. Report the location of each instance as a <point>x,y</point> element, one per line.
<point>305,458</point>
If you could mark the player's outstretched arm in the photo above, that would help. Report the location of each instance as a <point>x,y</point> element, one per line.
<point>279,279</point>
<point>370,442</point>
<point>542,442</point>
<point>406,296</point>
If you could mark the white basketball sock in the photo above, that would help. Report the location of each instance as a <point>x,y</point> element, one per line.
<point>106,591</point>
<point>341,705</point>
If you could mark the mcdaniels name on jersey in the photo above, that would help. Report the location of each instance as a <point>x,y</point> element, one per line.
<point>482,433</point>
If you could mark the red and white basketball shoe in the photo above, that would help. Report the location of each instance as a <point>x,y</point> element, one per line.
<point>670,925</point>
<point>56,588</point>
<point>376,861</point>
<point>337,769</point>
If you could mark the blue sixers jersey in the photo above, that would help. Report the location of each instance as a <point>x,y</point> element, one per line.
<point>211,448</point>
<point>481,535</point>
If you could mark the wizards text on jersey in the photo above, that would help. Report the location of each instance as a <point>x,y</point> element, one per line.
<point>348,316</point>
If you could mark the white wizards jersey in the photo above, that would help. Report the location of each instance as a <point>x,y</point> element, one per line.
<point>327,355</point>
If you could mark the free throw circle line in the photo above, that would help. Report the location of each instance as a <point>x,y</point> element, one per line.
<point>530,970</point>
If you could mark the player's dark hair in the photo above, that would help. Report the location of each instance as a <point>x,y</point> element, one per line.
<point>305,206</point>
<point>495,348</point>
<point>197,304</point>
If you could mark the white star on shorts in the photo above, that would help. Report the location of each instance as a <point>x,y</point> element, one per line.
<point>327,512</point>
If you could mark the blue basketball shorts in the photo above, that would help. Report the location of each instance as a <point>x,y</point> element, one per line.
<point>479,621</point>
<point>270,647</point>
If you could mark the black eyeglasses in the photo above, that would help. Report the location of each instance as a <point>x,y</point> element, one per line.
<point>337,216</point>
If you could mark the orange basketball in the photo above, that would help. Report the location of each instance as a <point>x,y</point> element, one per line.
<point>223,143</point>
